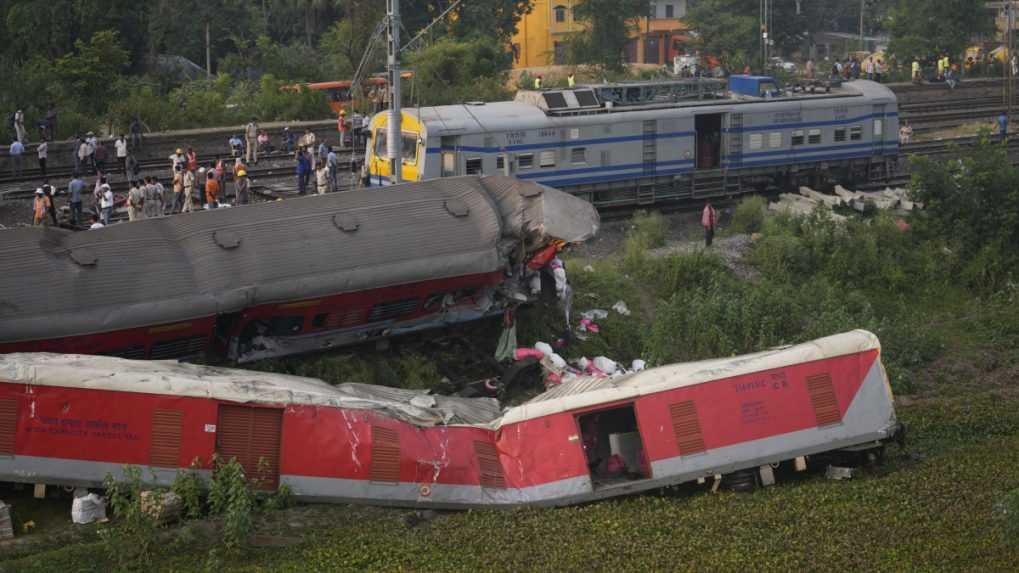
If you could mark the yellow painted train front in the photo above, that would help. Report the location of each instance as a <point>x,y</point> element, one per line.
<point>414,150</point>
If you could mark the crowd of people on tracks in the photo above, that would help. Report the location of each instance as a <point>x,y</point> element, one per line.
<point>191,186</point>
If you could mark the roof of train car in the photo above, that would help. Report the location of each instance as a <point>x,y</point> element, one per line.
<point>512,116</point>
<point>168,377</point>
<point>57,283</point>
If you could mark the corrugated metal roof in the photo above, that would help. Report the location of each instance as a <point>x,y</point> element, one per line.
<point>181,267</point>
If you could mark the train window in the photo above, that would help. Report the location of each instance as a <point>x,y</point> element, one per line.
<point>380,143</point>
<point>814,136</point>
<point>879,128</point>
<point>547,158</point>
<point>578,155</point>
<point>525,161</point>
<point>448,164</point>
<point>500,162</point>
<point>606,157</point>
<point>574,133</point>
<point>410,148</point>
<point>473,166</point>
<point>855,133</point>
<point>775,139</point>
<point>320,320</point>
<point>392,309</point>
<point>284,325</point>
<point>756,141</point>
<point>840,135</point>
<point>606,129</point>
<point>798,137</point>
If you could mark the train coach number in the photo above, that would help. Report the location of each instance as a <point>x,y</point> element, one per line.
<point>515,137</point>
<point>545,133</point>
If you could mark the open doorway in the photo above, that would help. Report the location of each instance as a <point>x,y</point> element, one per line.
<point>709,140</point>
<point>613,446</point>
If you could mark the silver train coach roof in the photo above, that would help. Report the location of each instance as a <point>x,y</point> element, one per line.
<point>59,283</point>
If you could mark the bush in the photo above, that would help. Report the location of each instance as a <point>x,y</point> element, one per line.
<point>130,540</point>
<point>231,497</point>
<point>749,215</point>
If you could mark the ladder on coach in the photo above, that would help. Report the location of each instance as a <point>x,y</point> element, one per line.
<point>650,149</point>
<point>735,148</point>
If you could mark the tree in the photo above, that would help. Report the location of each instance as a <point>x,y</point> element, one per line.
<point>344,43</point>
<point>609,24</point>
<point>93,69</point>
<point>928,28</point>
<point>495,20</point>
<point>727,29</point>
<point>449,71</point>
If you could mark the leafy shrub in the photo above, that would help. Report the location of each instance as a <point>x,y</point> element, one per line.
<point>129,540</point>
<point>188,486</point>
<point>651,227</point>
<point>1011,508</point>
<point>749,215</point>
<point>231,497</point>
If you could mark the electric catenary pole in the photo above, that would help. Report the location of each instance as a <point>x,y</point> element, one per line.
<point>394,135</point>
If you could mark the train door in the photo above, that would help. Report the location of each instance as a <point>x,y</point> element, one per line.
<point>253,436</point>
<point>709,140</point>
<point>734,141</point>
<point>450,159</point>
<point>878,133</point>
<point>613,446</point>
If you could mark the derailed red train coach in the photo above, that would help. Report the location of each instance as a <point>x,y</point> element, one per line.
<point>70,420</point>
<point>282,278</point>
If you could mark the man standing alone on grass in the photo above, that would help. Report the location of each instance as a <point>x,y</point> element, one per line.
<point>709,218</point>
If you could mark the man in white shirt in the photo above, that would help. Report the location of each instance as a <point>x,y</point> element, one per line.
<point>19,125</point>
<point>177,158</point>
<point>16,150</point>
<point>106,203</point>
<point>42,151</point>
<point>95,223</point>
<point>121,147</point>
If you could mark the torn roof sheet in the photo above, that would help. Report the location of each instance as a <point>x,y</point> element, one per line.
<point>55,283</point>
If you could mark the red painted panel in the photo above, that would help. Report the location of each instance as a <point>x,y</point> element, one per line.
<point>102,425</point>
<point>330,442</point>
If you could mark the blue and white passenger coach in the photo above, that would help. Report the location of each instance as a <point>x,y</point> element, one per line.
<point>641,143</point>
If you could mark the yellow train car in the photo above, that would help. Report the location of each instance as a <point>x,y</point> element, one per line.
<point>413,149</point>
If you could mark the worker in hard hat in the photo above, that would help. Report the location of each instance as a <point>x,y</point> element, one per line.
<point>242,182</point>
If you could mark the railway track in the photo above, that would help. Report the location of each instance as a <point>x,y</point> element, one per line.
<point>119,184</point>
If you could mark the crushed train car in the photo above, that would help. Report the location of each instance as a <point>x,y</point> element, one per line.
<point>71,419</point>
<point>282,278</point>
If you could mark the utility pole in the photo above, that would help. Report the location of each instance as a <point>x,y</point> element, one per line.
<point>208,51</point>
<point>394,134</point>
<point>1010,60</point>
<point>765,39</point>
<point>863,43</point>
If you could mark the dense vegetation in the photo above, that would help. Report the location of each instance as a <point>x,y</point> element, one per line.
<point>101,62</point>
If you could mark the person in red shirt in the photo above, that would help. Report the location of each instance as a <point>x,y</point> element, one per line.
<point>709,218</point>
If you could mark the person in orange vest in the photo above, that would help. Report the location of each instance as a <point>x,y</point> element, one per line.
<point>709,218</point>
<point>211,189</point>
<point>41,208</point>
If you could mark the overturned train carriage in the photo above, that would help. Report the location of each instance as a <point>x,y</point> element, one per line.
<point>281,278</point>
<point>67,419</point>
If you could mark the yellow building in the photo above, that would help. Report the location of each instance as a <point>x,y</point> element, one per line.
<point>542,36</point>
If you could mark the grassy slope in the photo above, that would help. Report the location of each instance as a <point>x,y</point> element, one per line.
<point>937,507</point>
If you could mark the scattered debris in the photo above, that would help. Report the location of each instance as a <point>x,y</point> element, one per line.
<point>621,308</point>
<point>88,507</point>
<point>838,473</point>
<point>6,529</point>
<point>166,506</point>
<point>808,200</point>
